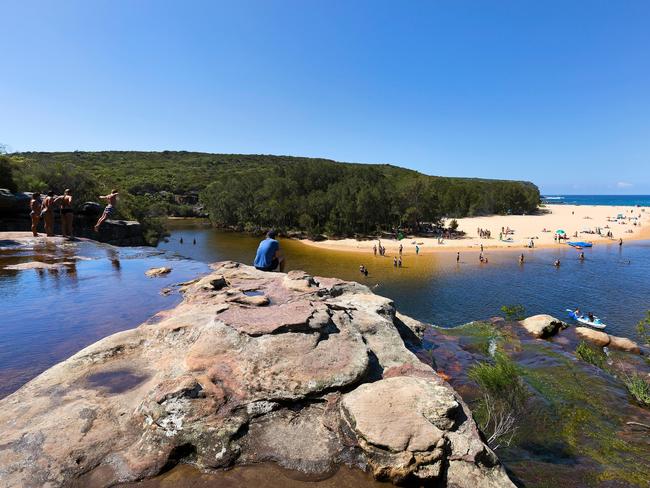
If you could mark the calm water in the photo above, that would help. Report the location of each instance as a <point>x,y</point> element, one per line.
<point>434,289</point>
<point>46,315</point>
<point>616,200</point>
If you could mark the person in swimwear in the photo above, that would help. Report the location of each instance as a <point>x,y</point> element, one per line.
<point>47,213</point>
<point>110,208</point>
<point>66,213</point>
<point>35,207</point>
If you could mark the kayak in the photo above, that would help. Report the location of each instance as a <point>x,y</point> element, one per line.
<point>579,244</point>
<point>583,319</point>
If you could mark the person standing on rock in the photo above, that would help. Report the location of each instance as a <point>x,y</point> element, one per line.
<point>269,256</point>
<point>47,213</point>
<point>35,212</point>
<point>66,213</point>
<point>110,208</point>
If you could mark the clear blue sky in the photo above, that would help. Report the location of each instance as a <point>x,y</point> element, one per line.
<point>553,92</point>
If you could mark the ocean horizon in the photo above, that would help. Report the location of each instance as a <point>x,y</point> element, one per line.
<point>612,200</point>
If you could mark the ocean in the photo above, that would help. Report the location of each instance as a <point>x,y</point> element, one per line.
<point>612,200</point>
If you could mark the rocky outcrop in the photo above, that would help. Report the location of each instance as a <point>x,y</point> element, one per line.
<point>314,375</point>
<point>601,339</point>
<point>542,326</point>
<point>154,272</point>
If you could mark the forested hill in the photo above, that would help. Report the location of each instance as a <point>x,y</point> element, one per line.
<point>316,195</point>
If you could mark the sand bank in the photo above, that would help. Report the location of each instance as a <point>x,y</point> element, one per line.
<point>570,218</point>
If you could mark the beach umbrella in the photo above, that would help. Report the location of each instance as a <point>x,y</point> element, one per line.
<point>560,232</point>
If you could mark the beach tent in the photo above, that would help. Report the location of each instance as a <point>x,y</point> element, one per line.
<point>560,232</point>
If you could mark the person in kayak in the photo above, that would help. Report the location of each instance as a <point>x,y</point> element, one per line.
<point>590,316</point>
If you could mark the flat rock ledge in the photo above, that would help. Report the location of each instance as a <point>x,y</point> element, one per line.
<point>311,375</point>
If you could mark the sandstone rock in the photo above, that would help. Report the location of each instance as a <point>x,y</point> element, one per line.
<point>401,413</point>
<point>542,325</point>
<point>158,271</point>
<point>211,282</point>
<point>216,382</point>
<point>601,339</point>
<point>594,336</point>
<point>624,344</point>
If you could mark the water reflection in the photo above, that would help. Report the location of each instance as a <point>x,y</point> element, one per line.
<point>57,299</point>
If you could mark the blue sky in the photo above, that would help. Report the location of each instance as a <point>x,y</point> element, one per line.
<point>553,92</point>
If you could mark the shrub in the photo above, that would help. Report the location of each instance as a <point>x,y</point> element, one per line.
<point>453,225</point>
<point>639,388</point>
<point>6,175</point>
<point>513,312</point>
<point>504,399</point>
<point>591,355</point>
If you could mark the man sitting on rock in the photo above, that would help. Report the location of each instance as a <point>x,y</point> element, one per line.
<point>269,256</point>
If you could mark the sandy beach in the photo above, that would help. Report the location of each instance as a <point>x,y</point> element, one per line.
<point>570,218</point>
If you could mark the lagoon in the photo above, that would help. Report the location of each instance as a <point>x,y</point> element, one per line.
<point>613,281</point>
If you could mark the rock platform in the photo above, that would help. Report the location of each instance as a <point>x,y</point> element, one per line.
<point>306,372</point>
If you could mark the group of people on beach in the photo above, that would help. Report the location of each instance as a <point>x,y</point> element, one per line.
<point>483,233</point>
<point>44,209</point>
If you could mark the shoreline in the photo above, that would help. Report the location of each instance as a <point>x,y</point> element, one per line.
<point>571,218</point>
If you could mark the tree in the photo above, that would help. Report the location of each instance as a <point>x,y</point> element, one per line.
<point>6,174</point>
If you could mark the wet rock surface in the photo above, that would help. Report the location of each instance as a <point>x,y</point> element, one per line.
<point>310,375</point>
<point>581,426</point>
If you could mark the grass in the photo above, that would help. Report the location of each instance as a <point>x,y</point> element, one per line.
<point>504,398</point>
<point>639,388</point>
<point>514,312</point>
<point>591,355</point>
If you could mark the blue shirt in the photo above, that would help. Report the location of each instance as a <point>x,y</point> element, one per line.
<point>266,252</point>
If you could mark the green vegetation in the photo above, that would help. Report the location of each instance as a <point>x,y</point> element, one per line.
<point>581,412</point>
<point>643,328</point>
<point>514,312</point>
<point>6,174</point>
<point>262,191</point>
<point>638,387</point>
<point>504,399</point>
<point>591,355</point>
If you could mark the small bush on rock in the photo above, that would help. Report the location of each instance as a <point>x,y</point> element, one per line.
<point>513,312</point>
<point>639,388</point>
<point>504,399</point>
<point>591,355</point>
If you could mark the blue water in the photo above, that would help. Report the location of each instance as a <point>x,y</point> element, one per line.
<point>47,315</point>
<point>612,200</point>
<point>613,282</point>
